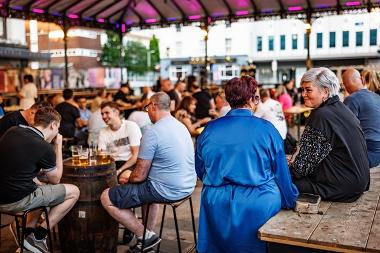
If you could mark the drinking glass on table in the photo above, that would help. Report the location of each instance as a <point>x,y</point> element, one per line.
<point>83,157</point>
<point>75,153</point>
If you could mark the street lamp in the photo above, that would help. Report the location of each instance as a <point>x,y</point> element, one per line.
<point>204,77</point>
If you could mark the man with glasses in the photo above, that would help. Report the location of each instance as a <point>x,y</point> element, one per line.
<point>164,172</point>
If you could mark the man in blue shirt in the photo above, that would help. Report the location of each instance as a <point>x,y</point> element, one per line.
<point>366,106</point>
<point>164,172</point>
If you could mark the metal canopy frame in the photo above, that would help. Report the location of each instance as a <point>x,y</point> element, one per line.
<point>154,13</point>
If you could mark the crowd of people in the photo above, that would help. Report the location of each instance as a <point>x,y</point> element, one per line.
<point>159,151</point>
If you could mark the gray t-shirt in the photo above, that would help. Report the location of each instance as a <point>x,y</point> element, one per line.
<point>168,144</point>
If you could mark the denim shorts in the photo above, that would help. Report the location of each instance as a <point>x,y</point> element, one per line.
<point>134,195</point>
<point>44,195</point>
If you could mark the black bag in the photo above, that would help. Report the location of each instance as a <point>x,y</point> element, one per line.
<point>290,144</point>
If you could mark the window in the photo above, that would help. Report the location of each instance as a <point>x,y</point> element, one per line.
<point>178,28</point>
<point>359,39</point>
<point>202,47</point>
<point>271,43</point>
<point>259,44</point>
<point>332,39</point>
<point>373,37</point>
<point>294,41</point>
<point>346,39</point>
<point>228,46</point>
<point>282,42</point>
<point>305,41</point>
<point>178,48</point>
<point>319,40</point>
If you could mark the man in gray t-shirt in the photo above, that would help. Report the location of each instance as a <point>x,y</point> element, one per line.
<point>164,172</point>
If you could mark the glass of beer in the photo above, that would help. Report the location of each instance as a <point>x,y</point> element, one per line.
<point>83,157</point>
<point>104,157</point>
<point>75,153</point>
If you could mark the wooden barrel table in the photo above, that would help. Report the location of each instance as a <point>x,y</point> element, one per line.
<point>88,227</point>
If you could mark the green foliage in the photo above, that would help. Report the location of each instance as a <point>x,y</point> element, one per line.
<point>111,50</point>
<point>136,57</point>
<point>155,52</point>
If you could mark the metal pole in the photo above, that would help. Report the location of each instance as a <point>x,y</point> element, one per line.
<point>65,29</point>
<point>309,63</point>
<point>122,54</point>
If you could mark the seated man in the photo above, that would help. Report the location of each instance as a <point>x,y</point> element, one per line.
<point>24,151</point>
<point>365,105</point>
<point>164,172</point>
<point>121,138</point>
<point>22,117</point>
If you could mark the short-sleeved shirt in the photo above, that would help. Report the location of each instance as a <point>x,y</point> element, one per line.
<point>271,110</point>
<point>119,142</point>
<point>29,92</point>
<point>24,152</point>
<point>11,119</point>
<point>168,145</point>
<point>69,114</point>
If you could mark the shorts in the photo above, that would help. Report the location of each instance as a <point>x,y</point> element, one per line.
<point>44,195</point>
<point>134,195</point>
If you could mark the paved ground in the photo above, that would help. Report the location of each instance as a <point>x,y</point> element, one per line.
<point>169,243</point>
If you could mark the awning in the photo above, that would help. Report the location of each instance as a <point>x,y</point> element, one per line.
<point>122,14</point>
<point>16,52</point>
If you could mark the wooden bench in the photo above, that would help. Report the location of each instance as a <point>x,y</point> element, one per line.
<point>341,227</point>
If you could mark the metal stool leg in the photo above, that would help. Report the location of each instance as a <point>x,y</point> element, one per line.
<point>193,221</point>
<point>23,228</point>
<point>161,227</point>
<point>48,228</point>
<point>176,229</point>
<point>145,227</point>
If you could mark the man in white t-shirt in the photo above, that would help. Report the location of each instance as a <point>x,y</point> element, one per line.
<point>271,110</point>
<point>121,138</point>
<point>28,93</point>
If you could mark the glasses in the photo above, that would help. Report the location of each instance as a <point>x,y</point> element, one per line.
<point>147,107</point>
<point>256,99</point>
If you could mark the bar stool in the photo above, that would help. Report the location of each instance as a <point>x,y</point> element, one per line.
<point>23,216</point>
<point>174,206</point>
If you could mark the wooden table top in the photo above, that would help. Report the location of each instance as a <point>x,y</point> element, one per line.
<point>343,227</point>
<point>298,109</point>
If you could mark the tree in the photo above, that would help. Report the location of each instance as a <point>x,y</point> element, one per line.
<point>111,50</point>
<point>136,57</point>
<point>154,51</point>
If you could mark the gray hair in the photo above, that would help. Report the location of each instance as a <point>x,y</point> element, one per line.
<point>322,78</point>
<point>161,100</point>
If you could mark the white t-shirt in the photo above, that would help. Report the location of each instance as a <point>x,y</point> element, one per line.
<point>271,110</point>
<point>140,118</point>
<point>29,92</point>
<point>119,142</point>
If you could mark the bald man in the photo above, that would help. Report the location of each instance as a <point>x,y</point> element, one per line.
<point>366,107</point>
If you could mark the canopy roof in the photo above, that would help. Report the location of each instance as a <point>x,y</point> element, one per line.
<point>122,14</point>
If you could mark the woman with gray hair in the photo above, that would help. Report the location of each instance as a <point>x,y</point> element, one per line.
<point>332,159</point>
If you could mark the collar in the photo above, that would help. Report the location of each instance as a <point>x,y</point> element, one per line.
<point>330,101</point>
<point>240,112</point>
<point>34,130</point>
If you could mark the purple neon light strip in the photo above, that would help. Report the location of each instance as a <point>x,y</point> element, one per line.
<point>171,19</point>
<point>123,28</point>
<point>40,11</point>
<point>353,3</point>
<point>194,17</point>
<point>295,8</point>
<point>241,13</point>
<point>19,8</point>
<point>101,20</point>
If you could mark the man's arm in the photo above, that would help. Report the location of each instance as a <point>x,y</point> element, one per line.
<point>131,161</point>
<point>141,171</point>
<point>54,176</point>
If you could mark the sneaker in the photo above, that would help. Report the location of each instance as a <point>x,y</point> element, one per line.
<point>34,245</point>
<point>148,245</point>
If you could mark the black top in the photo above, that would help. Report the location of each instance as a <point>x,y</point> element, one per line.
<point>203,104</point>
<point>120,95</point>
<point>332,160</point>
<point>174,96</point>
<point>11,119</point>
<point>23,153</point>
<point>69,114</point>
